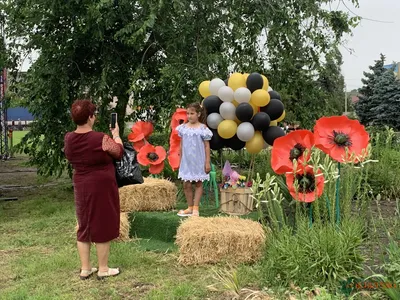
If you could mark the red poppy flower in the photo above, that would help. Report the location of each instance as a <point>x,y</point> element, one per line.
<point>179,117</point>
<point>140,131</point>
<point>289,147</point>
<point>334,135</point>
<point>153,156</point>
<point>309,186</point>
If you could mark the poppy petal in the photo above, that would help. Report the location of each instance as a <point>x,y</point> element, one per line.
<point>143,153</point>
<point>174,160</point>
<point>156,169</point>
<point>138,145</point>
<point>161,153</point>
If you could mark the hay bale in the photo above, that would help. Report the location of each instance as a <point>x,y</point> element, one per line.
<point>124,227</point>
<point>152,195</point>
<point>212,240</point>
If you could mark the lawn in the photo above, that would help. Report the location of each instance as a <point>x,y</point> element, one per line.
<point>39,259</point>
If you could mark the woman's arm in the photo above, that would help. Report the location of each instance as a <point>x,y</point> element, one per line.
<point>114,148</point>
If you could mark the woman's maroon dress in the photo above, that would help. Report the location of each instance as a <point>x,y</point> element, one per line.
<point>95,187</point>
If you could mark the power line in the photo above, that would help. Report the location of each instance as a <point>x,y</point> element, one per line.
<point>367,19</point>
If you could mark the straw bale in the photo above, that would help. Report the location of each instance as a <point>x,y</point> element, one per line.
<point>152,195</point>
<point>217,239</point>
<point>124,227</point>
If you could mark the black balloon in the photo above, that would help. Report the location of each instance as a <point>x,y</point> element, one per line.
<point>234,143</point>
<point>254,82</point>
<point>272,133</point>
<point>261,121</point>
<point>275,95</point>
<point>274,109</point>
<point>212,104</point>
<point>216,142</point>
<point>244,112</point>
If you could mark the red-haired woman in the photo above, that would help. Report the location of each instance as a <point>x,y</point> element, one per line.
<point>95,187</point>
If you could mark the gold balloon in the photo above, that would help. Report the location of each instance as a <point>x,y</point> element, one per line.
<point>237,121</point>
<point>255,108</point>
<point>260,97</point>
<point>266,83</point>
<point>256,144</point>
<point>280,119</point>
<point>245,75</point>
<point>236,81</point>
<point>273,123</point>
<point>234,102</point>
<point>204,89</point>
<point>227,129</point>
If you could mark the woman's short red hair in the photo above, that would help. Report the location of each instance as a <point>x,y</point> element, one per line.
<point>81,110</point>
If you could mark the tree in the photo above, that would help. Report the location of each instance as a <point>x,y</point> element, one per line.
<point>158,52</point>
<point>385,101</point>
<point>364,105</point>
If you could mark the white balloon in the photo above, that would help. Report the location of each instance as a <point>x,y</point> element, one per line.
<point>213,120</point>
<point>242,95</point>
<point>228,111</point>
<point>245,131</point>
<point>270,89</point>
<point>225,93</point>
<point>215,85</point>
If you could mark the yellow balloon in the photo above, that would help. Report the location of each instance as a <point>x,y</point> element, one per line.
<point>280,119</point>
<point>227,129</point>
<point>204,89</point>
<point>245,75</point>
<point>273,123</point>
<point>234,102</point>
<point>255,107</point>
<point>256,144</point>
<point>266,83</point>
<point>260,97</point>
<point>236,81</point>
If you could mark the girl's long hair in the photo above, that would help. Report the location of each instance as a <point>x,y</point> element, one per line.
<point>201,110</point>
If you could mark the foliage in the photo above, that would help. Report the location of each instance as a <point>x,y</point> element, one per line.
<point>321,255</point>
<point>364,105</point>
<point>157,52</point>
<point>385,101</point>
<point>384,177</point>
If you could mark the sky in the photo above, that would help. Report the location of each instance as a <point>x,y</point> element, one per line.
<point>378,32</point>
<point>381,34</point>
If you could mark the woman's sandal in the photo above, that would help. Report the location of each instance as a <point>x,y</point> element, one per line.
<point>86,274</point>
<point>195,213</point>
<point>110,273</point>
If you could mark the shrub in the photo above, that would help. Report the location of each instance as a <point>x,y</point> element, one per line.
<point>321,255</point>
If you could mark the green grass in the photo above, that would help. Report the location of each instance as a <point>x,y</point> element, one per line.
<point>17,136</point>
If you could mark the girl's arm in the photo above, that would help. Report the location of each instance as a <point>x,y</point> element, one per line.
<point>207,150</point>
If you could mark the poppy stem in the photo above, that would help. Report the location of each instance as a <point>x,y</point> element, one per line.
<point>310,214</point>
<point>337,204</point>
<point>328,206</point>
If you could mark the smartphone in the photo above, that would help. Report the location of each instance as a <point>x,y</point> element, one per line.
<point>113,120</point>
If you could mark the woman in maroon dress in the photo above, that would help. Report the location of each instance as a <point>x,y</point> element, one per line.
<point>95,187</point>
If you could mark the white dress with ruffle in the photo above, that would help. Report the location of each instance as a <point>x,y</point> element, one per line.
<point>193,156</point>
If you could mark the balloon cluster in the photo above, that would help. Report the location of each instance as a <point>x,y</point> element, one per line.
<point>242,111</point>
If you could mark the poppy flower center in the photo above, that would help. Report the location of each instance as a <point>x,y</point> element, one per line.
<point>341,139</point>
<point>152,156</point>
<point>306,183</point>
<point>297,151</point>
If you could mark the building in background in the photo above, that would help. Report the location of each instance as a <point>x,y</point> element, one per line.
<point>395,67</point>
